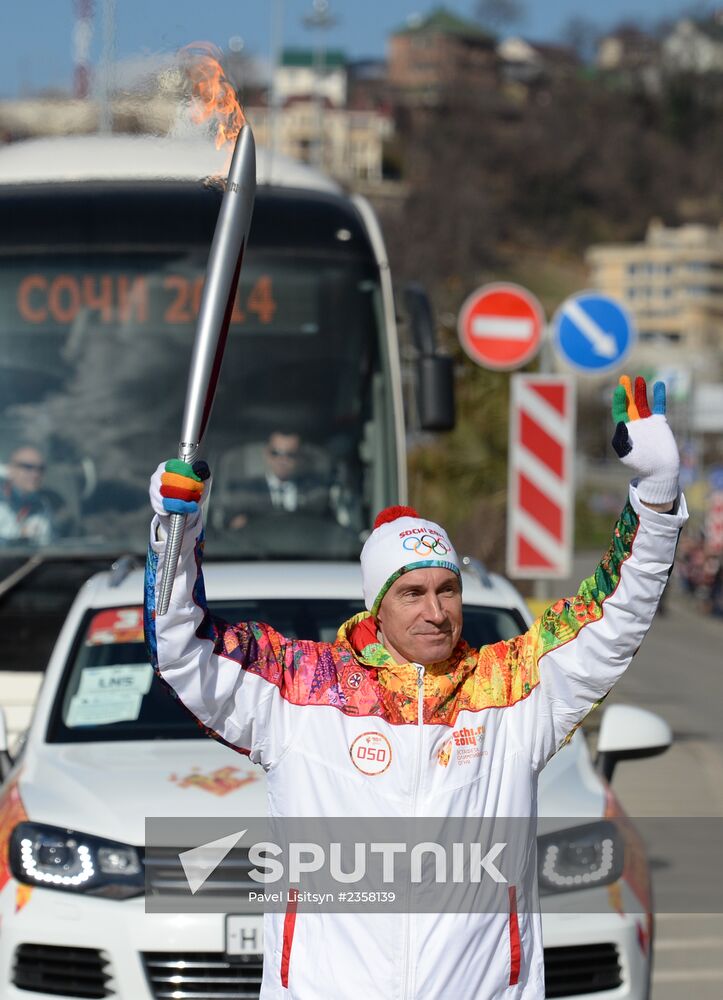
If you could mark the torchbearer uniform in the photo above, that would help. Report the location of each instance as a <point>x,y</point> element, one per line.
<point>300,708</point>
<point>296,708</point>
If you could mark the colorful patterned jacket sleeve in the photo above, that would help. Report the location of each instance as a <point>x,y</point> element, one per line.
<point>231,681</point>
<point>570,658</point>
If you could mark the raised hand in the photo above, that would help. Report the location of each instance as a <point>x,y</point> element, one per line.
<point>177,487</point>
<point>644,441</point>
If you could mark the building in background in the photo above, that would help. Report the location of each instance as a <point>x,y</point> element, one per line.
<point>628,49</point>
<point>315,123</point>
<point>438,55</point>
<point>352,142</point>
<point>695,45</point>
<point>631,57</point>
<point>672,284</point>
<point>526,62</point>
<point>305,73</point>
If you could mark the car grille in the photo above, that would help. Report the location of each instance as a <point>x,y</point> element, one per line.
<point>165,875</point>
<point>587,968</point>
<point>172,976</point>
<point>202,976</point>
<point>62,972</point>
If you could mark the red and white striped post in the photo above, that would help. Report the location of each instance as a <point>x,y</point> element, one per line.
<point>541,476</point>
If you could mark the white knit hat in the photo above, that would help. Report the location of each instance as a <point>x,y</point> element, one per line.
<point>402,541</point>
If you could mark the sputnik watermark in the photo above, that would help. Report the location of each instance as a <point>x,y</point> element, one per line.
<point>294,861</point>
<point>252,865</point>
<point>221,865</point>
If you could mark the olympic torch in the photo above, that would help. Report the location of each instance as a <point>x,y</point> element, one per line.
<point>219,291</point>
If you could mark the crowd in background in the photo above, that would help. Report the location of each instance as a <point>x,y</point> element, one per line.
<point>699,567</point>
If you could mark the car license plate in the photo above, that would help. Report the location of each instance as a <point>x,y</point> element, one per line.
<point>244,935</point>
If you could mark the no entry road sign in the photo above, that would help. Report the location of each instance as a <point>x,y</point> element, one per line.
<point>500,326</point>
<point>593,332</point>
<point>542,442</point>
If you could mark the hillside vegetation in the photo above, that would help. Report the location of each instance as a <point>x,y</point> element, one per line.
<point>500,188</point>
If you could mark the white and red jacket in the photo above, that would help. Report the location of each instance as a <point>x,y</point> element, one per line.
<point>299,708</point>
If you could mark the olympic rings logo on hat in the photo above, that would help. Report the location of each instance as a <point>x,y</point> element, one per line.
<point>425,545</point>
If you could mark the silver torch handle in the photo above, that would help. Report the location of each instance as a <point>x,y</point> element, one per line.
<point>219,291</point>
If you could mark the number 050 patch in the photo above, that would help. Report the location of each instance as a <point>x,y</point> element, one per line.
<point>371,753</point>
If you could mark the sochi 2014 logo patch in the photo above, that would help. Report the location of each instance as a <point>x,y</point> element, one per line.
<point>371,753</point>
<point>465,743</point>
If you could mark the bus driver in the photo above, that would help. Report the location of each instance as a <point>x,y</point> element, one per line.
<point>296,708</point>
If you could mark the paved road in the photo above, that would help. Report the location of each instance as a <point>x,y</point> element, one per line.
<point>679,674</point>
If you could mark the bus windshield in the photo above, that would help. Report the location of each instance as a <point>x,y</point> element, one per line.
<point>99,291</point>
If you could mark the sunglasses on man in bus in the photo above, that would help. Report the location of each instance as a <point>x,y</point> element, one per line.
<point>30,466</point>
<point>278,453</point>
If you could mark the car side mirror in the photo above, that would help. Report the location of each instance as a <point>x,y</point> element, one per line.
<point>629,733</point>
<point>6,761</point>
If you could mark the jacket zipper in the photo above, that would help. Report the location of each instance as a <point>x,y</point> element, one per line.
<point>415,792</point>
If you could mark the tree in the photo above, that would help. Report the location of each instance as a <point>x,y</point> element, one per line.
<point>497,188</point>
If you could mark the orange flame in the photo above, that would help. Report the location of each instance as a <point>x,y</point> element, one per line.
<point>213,94</point>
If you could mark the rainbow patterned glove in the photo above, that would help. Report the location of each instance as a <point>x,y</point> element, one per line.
<point>177,487</point>
<point>644,441</point>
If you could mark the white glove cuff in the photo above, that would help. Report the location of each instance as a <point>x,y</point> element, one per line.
<point>654,489</point>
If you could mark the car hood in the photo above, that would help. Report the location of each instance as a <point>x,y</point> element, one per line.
<point>108,789</point>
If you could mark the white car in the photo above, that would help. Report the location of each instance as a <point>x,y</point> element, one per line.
<point>108,747</point>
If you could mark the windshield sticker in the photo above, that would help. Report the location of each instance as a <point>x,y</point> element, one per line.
<point>116,625</point>
<point>219,782</point>
<point>102,709</point>
<point>134,678</point>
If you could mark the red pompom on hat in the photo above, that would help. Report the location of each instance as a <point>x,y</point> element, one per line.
<point>392,513</point>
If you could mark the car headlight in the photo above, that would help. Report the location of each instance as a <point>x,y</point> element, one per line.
<point>580,857</point>
<point>66,860</point>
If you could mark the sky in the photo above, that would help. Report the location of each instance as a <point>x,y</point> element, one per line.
<point>37,35</point>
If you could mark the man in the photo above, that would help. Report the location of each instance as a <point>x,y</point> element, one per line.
<point>283,487</point>
<point>25,514</point>
<point>400,674</point>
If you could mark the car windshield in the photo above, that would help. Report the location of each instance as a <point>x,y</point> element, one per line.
<point>110,692</point>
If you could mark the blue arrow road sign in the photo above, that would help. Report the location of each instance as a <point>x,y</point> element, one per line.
<point>593,332</point>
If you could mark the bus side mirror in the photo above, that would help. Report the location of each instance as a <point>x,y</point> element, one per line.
<point>435,392</point>
<point>434,371</point>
